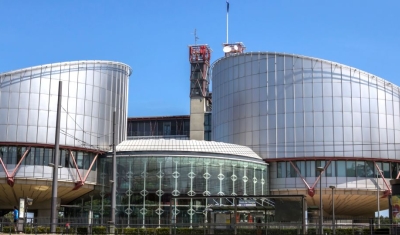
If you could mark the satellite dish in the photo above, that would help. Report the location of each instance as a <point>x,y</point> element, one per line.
<point>235,47</point>
<point>227,49</point>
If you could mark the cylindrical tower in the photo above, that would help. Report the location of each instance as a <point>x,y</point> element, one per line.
<point>299,113</point>
<point>92,90</point>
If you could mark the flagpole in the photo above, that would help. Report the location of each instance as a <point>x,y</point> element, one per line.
<point>227,20</point>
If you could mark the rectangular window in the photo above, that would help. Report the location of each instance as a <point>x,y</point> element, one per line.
<point>140,129</point>
<point>146,130</point>
<point>48,157</point>
<point>68,161</point>
<point>20,153</point>
<point>291,172</point>
<point>318,164</point>
<point>12,155</point>
<point>29,159</point>
<point>369,169</point>
<point>386,170</point>
<point>360,169</point>
<point>39,156</point>
<point>94,167</point>
<point>167,128</point>
<point>394,170</point>
<point>331,170</point>
<point>79,160</point>
<point>301,165</point>
<point>281,169</point>
<point>62,158</point>
<point>310,168</point>
<point>341,168</point>
<point>86,161</point>
<point>350,169</point>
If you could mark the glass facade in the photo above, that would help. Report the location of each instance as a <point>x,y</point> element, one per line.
<point>159,126</point>
<point>348,168</point>
<point>145,184</point>
<point>288,106</point>
<point>36,163</point>
<point>37,156</point>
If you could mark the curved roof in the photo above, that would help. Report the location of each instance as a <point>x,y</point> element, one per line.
<point>382,82</point>
<point>77,62</point>
<point>167,145</point>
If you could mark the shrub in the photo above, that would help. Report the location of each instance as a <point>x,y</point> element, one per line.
<point>82,230</point>
<point>99,230</point>
<point>8,229</point>
<point>162,231</point>
<point>189,231</point>
<point>128,231</point>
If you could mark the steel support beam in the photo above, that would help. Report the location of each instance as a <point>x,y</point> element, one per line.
<point>10,177</point>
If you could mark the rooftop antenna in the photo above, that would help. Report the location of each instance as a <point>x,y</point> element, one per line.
<point>227,20</point>
<point>195,37</point>
<point>231,49</point>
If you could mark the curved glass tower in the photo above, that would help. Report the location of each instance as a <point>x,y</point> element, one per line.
<point>152,171</point>
<point>91,91</point>
<point>299,113</point>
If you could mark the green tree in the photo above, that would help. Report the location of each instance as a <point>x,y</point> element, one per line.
<point>9,216</point>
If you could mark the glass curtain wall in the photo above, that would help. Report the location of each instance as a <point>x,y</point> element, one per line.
<point>364,169</point>
<point>145,185</point>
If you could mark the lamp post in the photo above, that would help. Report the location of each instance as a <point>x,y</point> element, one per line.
<point>333,210</point>
<point>320,170</point>
<point>56,156</point>
<point>377,197</point>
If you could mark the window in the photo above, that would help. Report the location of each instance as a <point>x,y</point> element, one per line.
<point>29,159</point>
<point>310,169</point>
<point>281,169</point>
<point>331,170</point>
<point>341,168</point>
<point>386,170</point>
<point>369,169</point>
<point>86,161</point>
<point>48,157</point>
<point>394,170</point>
<point>291,172</point>
<point>301,165</point>
<point>79,160</point>
<point>360,169</point>
<point>39,156</point>
<point>167,128</point>
<point>351,169</point>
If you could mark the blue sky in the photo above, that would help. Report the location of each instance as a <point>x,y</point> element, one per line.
<point>152,37</point>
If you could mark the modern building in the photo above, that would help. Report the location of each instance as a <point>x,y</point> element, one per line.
<point>91,92</point>
<point>177,127</point>
<point>151,171</point>
<point>299,113</point>
<point>276,117</point>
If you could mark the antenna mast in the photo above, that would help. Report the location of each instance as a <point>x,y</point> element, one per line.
<point>227,20</point>
<point>195,37</point>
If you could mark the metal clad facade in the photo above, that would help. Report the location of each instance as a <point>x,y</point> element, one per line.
<point>289,106</point>
<point>92,90</point>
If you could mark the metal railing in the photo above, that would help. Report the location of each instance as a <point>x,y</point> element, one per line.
<point>80,225</point>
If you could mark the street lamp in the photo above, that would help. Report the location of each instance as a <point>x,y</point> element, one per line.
<point>320,169</point>
<point>377,196</point>
<point>28,202</point>
<point>333,210</point>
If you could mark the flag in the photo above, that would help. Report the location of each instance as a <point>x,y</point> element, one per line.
<point>227,6</point>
